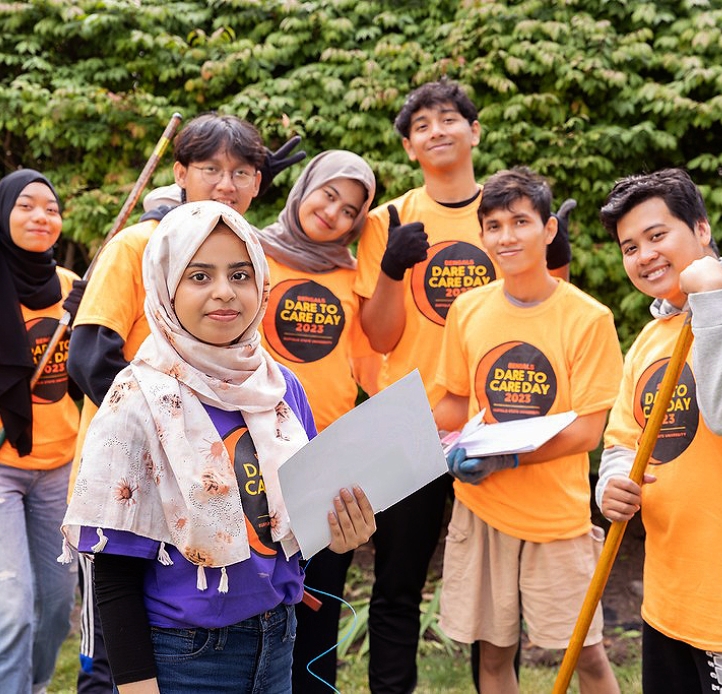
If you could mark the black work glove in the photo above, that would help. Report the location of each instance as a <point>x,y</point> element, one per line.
<point>559,251</point>
<point>474,470</point>
<point>277,161</point>
<point>72,301</point>
<point>407,245</point>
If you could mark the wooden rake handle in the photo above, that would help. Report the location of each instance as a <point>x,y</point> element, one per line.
<point>119,223</point>
<point>616,530</point>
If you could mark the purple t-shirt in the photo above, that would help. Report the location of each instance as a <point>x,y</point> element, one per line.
<point>256,585</point>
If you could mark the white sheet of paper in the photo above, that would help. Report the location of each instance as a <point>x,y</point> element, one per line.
<point>517,436</point>
<point>388,445</point>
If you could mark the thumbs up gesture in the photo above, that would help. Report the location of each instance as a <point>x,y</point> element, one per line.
<point>407,245</point>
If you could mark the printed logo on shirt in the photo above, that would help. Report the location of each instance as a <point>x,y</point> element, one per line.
<point>253,491</point>
<point>53,382</point>
<point>516,380</point>
<point>304,321</point>
<point>451,268</point>
<point>681,419</point>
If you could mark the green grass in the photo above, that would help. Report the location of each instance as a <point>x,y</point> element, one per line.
<point>438,672</point>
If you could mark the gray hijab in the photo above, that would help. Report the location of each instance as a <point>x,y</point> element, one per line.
<point>285,240</point>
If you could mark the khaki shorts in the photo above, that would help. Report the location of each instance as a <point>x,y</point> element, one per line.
<point>489,578</point>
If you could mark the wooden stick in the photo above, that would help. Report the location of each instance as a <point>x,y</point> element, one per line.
<point>616,531</point>
<point>119,223</point>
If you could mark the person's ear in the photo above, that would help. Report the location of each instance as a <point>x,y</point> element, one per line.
<point>475,133</point>
<point>410,151</point>
<point>550,229</point>
<point>703,231</point>
<point>180,172</point>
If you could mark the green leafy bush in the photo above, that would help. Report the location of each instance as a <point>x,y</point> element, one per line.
<point>585,91</point>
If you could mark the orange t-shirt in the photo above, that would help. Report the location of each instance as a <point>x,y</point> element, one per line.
<point>55,415</point>
<point>456,262</point>
<point>681,511</point>
<point>312,326</point>
<point>114,298</point>
<point>562,354</point>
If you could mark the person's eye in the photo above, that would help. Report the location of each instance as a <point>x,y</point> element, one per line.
<point>211,170</point>
<point>629,250</point>
<point>329,195</point>
<point>659,235</point>
<point>240,276</point>
<point>23,205</point>
<point>52,211</point>
<point>198,277</point>
<point>240,175</point>
<point>350,214</point>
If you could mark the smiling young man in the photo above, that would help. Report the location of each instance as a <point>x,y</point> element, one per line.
<point>416,255</point>
<point>520,535</point>
<point>216,158</point>
<point>661,225</point>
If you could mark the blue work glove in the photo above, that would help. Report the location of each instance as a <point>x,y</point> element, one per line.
<point>277,161</point>
<point>559,251</point>
<point>474,470</point>
<point>72,301</point>
<point>407,245</point>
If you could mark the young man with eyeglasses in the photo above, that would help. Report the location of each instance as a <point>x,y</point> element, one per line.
<point>217,157</point>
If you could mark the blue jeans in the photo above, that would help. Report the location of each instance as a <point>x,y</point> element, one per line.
<point>251,657</point>
<point>36,592</point>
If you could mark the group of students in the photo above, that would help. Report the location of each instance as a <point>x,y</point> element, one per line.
<point>209,352</point>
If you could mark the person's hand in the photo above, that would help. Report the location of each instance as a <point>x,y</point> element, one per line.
<point>352,521</point>
<point>559,251</point>
<point>701,275</point>
<point>277,161</point>
<point>474,470</point>
<point>72,301</point>
<point>407,245</point>
<point>622,498</point>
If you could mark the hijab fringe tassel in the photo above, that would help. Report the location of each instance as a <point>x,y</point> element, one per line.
<point>99,546</point>
<point>201,582</point>
<point>223,585</point>
<point>163,556</point>
<point>66,556</point>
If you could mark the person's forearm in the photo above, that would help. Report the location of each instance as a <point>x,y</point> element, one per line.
<point>581,436</point>
<point>383,316</point>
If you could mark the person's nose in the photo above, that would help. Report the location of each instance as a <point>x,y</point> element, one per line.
<point>647,253</point>
<point>226,181</point>
<point>39,214</point>
<point>223,290</point>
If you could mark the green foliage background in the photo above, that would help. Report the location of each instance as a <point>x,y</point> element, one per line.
<point>585,91</point>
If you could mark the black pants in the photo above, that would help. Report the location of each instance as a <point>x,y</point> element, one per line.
<point>670,666</point>
<point>405,539</point>
<point>318,631</point>
<point>94,676</point>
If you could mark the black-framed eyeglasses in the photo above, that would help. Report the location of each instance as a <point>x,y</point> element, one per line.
<point>213,175</point>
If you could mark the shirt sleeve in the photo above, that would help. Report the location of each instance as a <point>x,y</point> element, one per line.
<point>126,630</point>
<point>707,328</point>
<point>95,358</point>
<point>453,369</point>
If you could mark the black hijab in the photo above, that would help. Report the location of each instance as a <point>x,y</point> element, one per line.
<point>30,279</point>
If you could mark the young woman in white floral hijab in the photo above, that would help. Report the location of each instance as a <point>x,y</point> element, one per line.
<point>178,492</point>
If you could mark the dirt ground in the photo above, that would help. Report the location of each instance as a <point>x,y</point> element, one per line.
<point>621,601</point>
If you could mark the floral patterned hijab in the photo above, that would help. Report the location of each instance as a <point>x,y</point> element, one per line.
<point>153,463</point>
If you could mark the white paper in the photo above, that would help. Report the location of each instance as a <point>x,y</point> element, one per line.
<point>388,445</point>
<point>516,436</point>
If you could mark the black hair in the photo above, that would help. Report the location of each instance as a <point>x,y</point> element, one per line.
<point>673,186</point>
<point>434,94</point>
<point>504,188</point>
<point>208,133</point>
